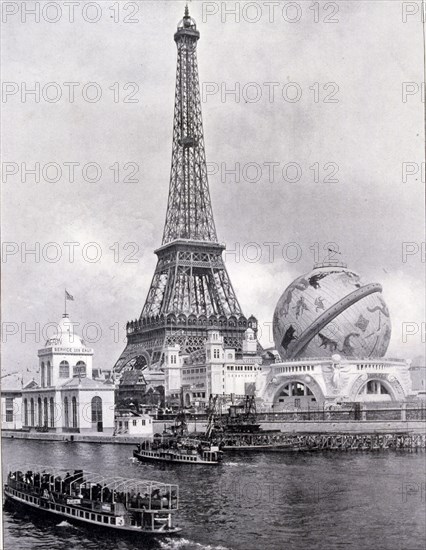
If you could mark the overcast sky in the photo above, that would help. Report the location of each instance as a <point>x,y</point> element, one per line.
<point>367,134</point>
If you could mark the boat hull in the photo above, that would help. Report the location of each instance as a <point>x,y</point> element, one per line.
<point>18,500</point>
<point>152,456</point>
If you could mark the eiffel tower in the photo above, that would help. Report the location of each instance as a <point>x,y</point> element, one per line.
<point>190,291</point>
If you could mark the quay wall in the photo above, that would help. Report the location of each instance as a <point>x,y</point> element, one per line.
<point>324,427</point>
<point>74,437</point>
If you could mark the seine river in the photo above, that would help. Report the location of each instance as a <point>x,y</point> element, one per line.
<point>318,501</point>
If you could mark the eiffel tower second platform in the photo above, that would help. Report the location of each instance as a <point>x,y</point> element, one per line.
<point>189,294</point>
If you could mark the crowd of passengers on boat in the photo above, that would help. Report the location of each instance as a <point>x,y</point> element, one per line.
<point>75,486</point>
<point>172,443</point>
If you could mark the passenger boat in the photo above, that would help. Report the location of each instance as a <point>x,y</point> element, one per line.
<point>126,505</point>
<point>177,446</point>
<point>179,449</point>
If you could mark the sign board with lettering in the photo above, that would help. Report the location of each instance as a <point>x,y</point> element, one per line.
<point>73,501</point>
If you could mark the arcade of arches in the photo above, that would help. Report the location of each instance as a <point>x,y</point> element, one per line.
<point>43,413</point>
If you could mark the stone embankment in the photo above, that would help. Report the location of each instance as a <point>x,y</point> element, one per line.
<point>287,427</point>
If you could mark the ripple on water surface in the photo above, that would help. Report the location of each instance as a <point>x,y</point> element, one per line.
<point>318,501</point>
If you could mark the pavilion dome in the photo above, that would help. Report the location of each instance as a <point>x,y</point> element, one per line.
<point>65,335</point>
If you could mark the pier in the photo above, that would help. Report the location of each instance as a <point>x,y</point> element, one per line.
<point>323,442</point>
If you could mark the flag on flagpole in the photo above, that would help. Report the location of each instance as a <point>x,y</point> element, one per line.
<point>68,296</point>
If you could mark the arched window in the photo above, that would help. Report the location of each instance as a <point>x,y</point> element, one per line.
<point>32,414</point>
<point>64,369</point>
<point>40,412</point>
<point>46,413</point>
<point>25,412</point>
<point>96,410</point>
<point>49,374</point>
<point>80,369</point>
<point>66,413</point>
<point>74,412</point>
<point>43,375</point>
<point>52,412</point>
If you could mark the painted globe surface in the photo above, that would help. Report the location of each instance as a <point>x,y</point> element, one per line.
<point>328,311</point>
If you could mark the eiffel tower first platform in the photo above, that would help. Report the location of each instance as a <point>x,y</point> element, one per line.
<point>190,291</point>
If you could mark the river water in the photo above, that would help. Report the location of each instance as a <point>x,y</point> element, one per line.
<point>265,500</point>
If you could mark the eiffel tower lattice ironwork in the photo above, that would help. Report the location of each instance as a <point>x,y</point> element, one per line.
<point>190,290</point>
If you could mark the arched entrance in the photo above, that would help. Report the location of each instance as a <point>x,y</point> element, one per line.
<point>74,410</point>
<point>40,412</point>
<point>32,412</point>
<point>46,413</point>
<point>375,390</point>
<point>52,412</point>
<point>296,394</point>
<point>97,414</point>
<point>66,413</point>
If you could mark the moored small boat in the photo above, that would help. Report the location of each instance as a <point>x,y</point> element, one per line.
<point>130,505</point>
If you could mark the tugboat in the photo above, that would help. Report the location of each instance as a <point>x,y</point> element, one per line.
<point>175,445</point>
<point>129,505</point>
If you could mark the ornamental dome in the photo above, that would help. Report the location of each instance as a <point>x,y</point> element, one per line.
<point>65,335</point>
<point>328,311</point>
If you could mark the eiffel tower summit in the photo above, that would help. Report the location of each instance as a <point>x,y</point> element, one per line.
<point>190,291</point>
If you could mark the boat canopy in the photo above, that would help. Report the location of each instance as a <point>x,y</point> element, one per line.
<point>114,483</point>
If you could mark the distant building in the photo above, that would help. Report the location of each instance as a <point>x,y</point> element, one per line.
<point>67,398</point>
<point>136,388</point>
<point>132,423</point>
<point>11,409</point>
<point>214,370</point>
<point>130,388</point>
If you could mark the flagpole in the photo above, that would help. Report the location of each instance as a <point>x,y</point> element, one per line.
<point>65,295</point>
